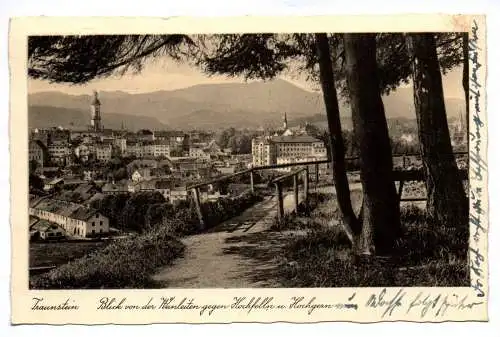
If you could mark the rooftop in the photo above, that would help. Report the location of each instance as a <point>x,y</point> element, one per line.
<point>294,139</point>
<point>65,208</point>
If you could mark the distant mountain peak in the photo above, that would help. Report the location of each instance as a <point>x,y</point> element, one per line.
<point>214,106</point>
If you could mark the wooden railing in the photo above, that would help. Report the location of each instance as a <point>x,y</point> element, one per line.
<point>398,176</point>
<point>278,183</point>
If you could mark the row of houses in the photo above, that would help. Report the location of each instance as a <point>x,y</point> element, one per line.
<point>75,219</point>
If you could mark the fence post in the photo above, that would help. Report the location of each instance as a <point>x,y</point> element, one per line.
<point>197,204</point>
<point>316,167</point>
<point>306,185</point>
<point>251,181</point>
<point>400,189</point>
<point>295,193</point>
<point>279,194</point>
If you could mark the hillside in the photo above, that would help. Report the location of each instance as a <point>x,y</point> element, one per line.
<point>47,116</point>
<point>212,106</point>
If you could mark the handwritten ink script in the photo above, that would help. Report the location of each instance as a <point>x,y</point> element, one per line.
<point>478,166</point>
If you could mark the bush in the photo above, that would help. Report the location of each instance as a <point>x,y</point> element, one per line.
<point>125,263</point>
<point>224,209</point>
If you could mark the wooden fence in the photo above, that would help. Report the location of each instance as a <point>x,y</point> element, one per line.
<point>278,183</point>
<point>398,176</point>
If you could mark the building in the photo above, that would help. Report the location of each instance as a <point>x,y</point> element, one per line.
<point>263,151</point>
<point>46,230</point>
<point>36,152</point>
<point>161,148</point>
<point>59,152</point>
<point>135,149</point>
<point>95,112</point>
<point>103,152</point>
<point>198,152</point>
<point>75,219</point>
<point>121,144</point>
<point>120,187</point>
<point>88,175</point>
<point>178,194</point>
<point>148,149</point>
<point>82,152</point>
<point>281,149</point>
<point>162,186</point>
<point>141,174</point>
<point>53,183</point>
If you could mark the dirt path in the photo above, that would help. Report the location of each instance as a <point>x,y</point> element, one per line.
<point>239,253</point>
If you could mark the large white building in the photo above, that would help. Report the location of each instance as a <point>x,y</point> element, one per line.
<point>75,219</point>
<point>286,149</point>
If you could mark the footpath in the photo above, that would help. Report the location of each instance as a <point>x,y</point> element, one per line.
<point>238,253</point>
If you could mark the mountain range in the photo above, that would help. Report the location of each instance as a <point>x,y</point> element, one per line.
<point>206,106</point>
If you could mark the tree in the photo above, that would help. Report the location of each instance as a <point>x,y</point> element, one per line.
<point>79,59</point>
<point>336,142</point>
<point>446,201</point>
<point>380,209</point>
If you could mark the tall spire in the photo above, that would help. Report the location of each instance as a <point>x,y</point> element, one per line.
<point>95,100</point>
<point>95,110</point>
<point>463,125</point>
<point>285,122</point>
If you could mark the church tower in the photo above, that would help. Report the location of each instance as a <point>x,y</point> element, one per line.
<point>285,122</point>
<point>95,112</point>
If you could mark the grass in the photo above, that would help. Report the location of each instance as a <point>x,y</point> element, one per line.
<point>125,263</point>
<point>300,220</point>
<point>427,254</point>
<point>58,253</point>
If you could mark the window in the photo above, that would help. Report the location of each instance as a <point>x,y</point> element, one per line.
<point>93,223</point>
<point>93,231</point>
<point>100,223</point>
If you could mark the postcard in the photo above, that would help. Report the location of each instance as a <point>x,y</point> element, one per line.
<point>249,169</point>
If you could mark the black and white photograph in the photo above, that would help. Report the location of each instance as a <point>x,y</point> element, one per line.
<point>252,160</point>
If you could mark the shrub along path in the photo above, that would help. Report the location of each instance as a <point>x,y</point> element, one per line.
<point>238,253</point>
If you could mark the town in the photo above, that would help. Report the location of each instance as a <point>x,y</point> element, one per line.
<point>71,169</point>
<point>230,172</point>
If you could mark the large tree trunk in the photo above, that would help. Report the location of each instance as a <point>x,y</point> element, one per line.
<point>446,200</point>
<point>465,80</point>
<point>380,216</point>
<point>337,149</point>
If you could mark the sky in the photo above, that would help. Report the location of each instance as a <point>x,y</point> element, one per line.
<point>169,75</point>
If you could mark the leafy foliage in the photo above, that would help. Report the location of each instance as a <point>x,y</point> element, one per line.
<point>81,58</point>
<point>265,56</point>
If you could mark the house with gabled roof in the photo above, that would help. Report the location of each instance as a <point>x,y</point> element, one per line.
<point>75,219</point>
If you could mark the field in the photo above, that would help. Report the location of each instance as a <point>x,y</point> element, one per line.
<point>57,253</point>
